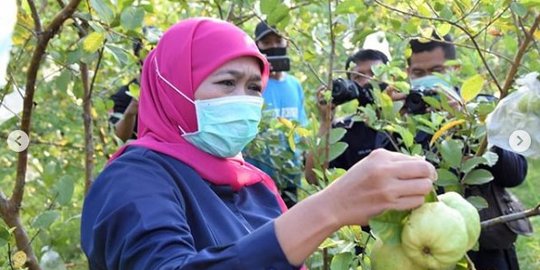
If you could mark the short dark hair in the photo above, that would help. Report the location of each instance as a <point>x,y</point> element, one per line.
<point>366,55</point>
<point>445,44</point>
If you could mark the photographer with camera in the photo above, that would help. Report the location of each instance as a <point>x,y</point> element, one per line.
<point>497,250</point>
<point>283,97</point>
<point>361,138</point>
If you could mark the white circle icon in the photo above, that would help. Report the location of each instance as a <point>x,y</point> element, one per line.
<point>520,141</point>
<point>18,140</point>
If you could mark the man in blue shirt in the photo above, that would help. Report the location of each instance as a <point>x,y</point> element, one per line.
<point>283,97</point>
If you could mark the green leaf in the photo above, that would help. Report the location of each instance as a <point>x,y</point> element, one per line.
<point>387,106</point>
<point>122,4</point>
<point>447,13</point>
<point>432,102</point>
<point>65,188</point>
<point>451,152</point>
<point>268,6</point>
<point>406,135</point>
<point>132,18</point>
<point>478,202</point>
<point>341,261</point>
<point>4,236</point>
<point>119,54</point>
<point>471,87</point>
<point>103,10</point>
<point>443,29</point>
<point>402,86</point>
<point>336,134</point>
<point>348,6</point>
<point>63,80</point>
<point>491,158</point>
<point>74,56</point>
<point>336,150</point>
<point>328,243</point>
<point>280,13</point>
<point>93,42</point>
<point>388,226</point>
<point>431,197</point>
<point>292,143</point>
<point>446,178</point>
<point>478,177</point>
<point>134,91</point>
<point>530,3</point>
<point>519,9</point>
<point>472,163</point>
<point>45,220</point>
<point>424,10</point>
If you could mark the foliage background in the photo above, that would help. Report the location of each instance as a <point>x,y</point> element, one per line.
<point>100,34</point>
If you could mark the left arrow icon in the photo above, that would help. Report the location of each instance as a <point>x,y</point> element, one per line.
<point>18,140</point>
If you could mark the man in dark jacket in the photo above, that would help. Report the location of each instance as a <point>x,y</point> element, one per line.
<point>509,171</point>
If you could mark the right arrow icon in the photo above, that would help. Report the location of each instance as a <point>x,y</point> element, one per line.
<point>519,141</point>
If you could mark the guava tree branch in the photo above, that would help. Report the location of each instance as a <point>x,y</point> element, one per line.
<point>39,51</point>
<point>512,73</point>
<point>511,217</point>
<point>10,208</point>
<point>529,36</point>
<point>455,24</point>
<point>491,21</point>
<point>35,17</point>
<point>326,151</point>
<point>87,119</point>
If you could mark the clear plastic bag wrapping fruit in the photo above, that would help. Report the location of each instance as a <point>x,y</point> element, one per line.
<point>514,125</point>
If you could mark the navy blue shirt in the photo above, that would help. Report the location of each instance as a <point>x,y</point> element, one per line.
<point>147,210</point>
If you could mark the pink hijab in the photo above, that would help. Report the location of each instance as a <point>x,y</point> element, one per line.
<point>186,54</point>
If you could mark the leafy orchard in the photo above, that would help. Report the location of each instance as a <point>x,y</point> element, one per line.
<point>70,56</point>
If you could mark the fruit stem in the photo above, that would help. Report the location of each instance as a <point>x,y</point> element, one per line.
<point>470,264</point>
<point>431,196</point>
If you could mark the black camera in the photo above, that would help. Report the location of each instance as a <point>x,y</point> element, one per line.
<point>278,59</point>
<point>346,90</point>
<point>279,63</point>
<point>414,103</point>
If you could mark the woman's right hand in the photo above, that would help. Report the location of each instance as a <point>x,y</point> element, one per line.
<point>381,181</point>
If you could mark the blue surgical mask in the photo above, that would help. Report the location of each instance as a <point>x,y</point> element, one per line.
<point>431,82</point>
<point>226,124</point>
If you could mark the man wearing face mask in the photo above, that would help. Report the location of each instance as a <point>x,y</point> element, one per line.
<point>361,139</point>
<point>496,250</point>
<point>283,97</point>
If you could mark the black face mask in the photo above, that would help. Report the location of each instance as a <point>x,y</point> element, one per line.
<point>274,51</point>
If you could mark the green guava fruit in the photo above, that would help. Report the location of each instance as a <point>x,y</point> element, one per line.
<point>390,257</point>
<point>435,236</point>
<point>529,103</point>
<point>534,105</point>
<point>523,105</point>
<point>467,211</point>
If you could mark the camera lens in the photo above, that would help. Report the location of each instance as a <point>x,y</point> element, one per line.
<point>344,90</point>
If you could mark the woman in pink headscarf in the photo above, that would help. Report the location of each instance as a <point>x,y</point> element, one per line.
<point>182,197</point>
